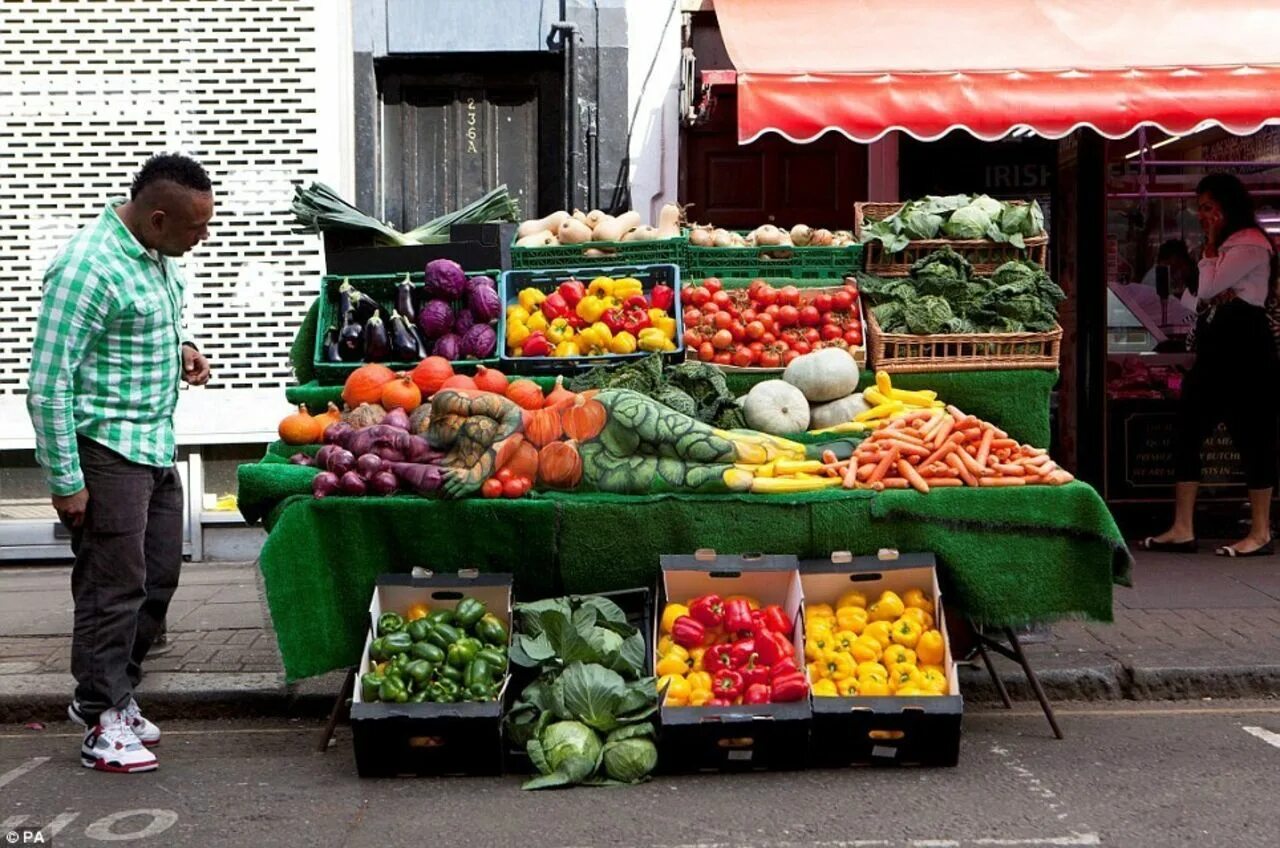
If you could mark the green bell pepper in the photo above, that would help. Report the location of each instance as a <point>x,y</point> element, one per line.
<point>461,654</point>
<point>443,692</point>
<point>419,671</point>
<point>427,651</point>
<point>418,697</point>
<point>468,612</point>
<point>369,684</point>
<point>400,662</point>
<point>378,651</point>
<point>394,644</point>
<point>482,691</point>
<point>443,635</point>
<point>479,671</point>
<point>418,629</point>
<point>496,659</point>
<point>491,630</point>
<point>393,690</point>
<point>390,622</point>
<point>440,616</point>
<point>450,673</point>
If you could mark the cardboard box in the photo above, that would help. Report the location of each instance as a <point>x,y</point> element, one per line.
<point>430,739</point>
<point>889,730</point>
<point>751,736</point>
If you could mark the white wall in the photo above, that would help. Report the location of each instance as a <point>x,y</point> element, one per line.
<point>654,29</point>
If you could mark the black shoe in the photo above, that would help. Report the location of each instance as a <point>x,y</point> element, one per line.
<point>1188,547</point>
<point>1228,551</point>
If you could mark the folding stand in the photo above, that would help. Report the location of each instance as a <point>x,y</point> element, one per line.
<point>1012,651</point>
<point>340,708</point>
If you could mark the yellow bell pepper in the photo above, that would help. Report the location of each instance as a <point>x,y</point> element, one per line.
<point>819,611</point>
<point>816,645</point>
<point>815,670</point>
<point>655,313</point>
<point>676,651</point>
<point>906,632</point>
<point>677,690</point>
<point>837,665</point>
<point>696,656</point>
<point>825,689</point>
<point>530,299</point>
<point>936,669</point>
<point>881,631</point>
<point>930,648</point>
<point>910,691</point>
<point>866,649</point>
<point>847,688</point>
<point>825,626</point>
<point>699,681</point>
<point>516,312</point>
<point>537,321</point>
<point>888,608</point>
<point>842,640</point>
<point>868,668</point>
<point>671,664</point>
<point>653,339</point>
<point>600,287</point>
<point>852,598</point>
<point>933,681</point>
<point>594,340</point>
<point>916,598</point>
<point>625,287</point>
<point>873,687</point>
<point>853,619</point>
<point>623,343</point>
<point>591,307</point>
<point>560,330</point>
<point>700,697</point>
<point>517,332</point>
<point>568,349</point>
<point>904,675</point>
<point>663,322</point>
<point>669,615</point>
<point>919,616</point>
<point>899,654</point>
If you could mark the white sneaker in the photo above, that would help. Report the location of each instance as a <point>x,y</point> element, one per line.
<point>111,745</point>
<point>148,734</point>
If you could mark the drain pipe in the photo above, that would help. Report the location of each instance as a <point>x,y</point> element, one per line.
<point>593,134</point>
<point>569,35</point>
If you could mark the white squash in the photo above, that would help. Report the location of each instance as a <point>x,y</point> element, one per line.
<point>776,407</point>
<point>837,412</point>
<point>823,375</point>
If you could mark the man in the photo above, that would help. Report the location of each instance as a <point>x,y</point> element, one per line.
<point>108,353</point>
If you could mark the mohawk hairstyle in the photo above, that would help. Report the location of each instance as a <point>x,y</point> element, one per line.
<point>175,168</point>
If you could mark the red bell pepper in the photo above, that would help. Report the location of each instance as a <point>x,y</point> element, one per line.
<point>708,609</point>
<point>777,620</point>
<point>662,297</point>
<point>772,647</point>
<point>613,319</point>
<point>576,321</point>
<point>758,693</point>
<point>754,671</point>
<point>687,632</point>
<point>718,657</point>
<point>790,687</point>
<point>537,344</point>
<point>720,702</point>
<point>632,315</point>
<point>572,291</point>
<point>555,306</point>
<point>742,651</point>
<point>782,668</point>
<point>726,684</point>
<point>737,615</point>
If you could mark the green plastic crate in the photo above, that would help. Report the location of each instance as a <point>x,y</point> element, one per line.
<point>381,287</point>
<point>571,256</point>
<point>772,261</point>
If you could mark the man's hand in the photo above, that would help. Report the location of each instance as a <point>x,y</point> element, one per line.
<point>71,508</point>
<point>195,368</point>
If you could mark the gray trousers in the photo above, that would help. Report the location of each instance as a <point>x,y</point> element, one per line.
<point>128,555</point>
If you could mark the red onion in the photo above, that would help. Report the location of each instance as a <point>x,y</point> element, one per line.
<point>322,455</point>
<point>341,461</point>
<point>325,484</point>
<point>336,432</point>
<point>397,418</point>
<point>300,459</point>
<point>383,483</point>
<point>368,464</point>
<point>352,484</point>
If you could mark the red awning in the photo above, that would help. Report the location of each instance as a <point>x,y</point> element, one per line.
<point>866,67</point>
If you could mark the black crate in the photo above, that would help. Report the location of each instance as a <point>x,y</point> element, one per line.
<point>392,740</point>
<point>756,736</point>
<point>470,245</point>
<point>890,730</point>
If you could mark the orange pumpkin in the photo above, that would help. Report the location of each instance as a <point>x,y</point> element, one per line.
<point>364,385</point>
<point>459,381</point>
<point>584,419</point>
<point>524,461</point>
<point>332,415</point>
<point>430,374</point>
<point>559,465</point>
<point>542,426</point>
<point>525,394</point>
<point>401,393</point>
<point>299,428</point>
<point>491,380</point>
<point>559,397</point>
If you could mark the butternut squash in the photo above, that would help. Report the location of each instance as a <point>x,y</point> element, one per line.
<point>595,216</point>
<point>629,220</point>
<point>669,221</point>
<point>609,229</point>
<point>573,232</point>
<point>544,238</point>
<point>548,224</point>
<point>641,234</point>
<point>580,216</point>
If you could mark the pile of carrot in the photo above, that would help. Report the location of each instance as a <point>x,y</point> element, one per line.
<point>938,448</point>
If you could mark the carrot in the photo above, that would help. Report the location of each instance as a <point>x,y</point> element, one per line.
<point>900,435</point>
<point>909,449</point>
<point>1002,481</point>
<point>865,471</point>
<point>1003,443</point>
<point>985,448</point>
<point>893,483</point>
<point>971,463</point>
<point>958,465</point>
<point>851,475</point>
<point>943,482</point>
<point>943,432</point>
<point>940,453</point>
<point>1010,470</point>
<point>913,477</point>
<point>882,468</point>
<point>955,413</point>
<point>1034,461</point>
<point>829,457</point>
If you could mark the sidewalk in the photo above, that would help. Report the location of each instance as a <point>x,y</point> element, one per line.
<point>1192,627</point>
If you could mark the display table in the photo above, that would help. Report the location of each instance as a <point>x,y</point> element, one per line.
<point>1009,556</point>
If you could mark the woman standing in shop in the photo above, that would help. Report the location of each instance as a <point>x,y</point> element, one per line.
<point>1234,378</point>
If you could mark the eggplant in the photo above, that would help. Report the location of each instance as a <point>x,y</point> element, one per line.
<point>364,306</point>
<point>417,338</point>
<point>332,352</point>
<point>404,297</point>
<point>404,346</point>
<point>376,346</point>
<point>344,297</point>
<point>351,339</point>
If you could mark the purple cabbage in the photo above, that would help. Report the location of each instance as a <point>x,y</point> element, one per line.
<point>445,278</point>
<point>449,346</point>
<point>479,342</point>
<point>483,302</point>
<point>465,321</point>
<point>435,318</point>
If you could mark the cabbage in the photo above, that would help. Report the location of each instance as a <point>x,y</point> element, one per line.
<point>479,342</point>
<point>435,318</point>
<point>449,346</point>
<point>480,281</point>
<point>566,752</point>
<point>483,300</point>
<point>629,753</point>
<point>465,321</point>
<point>445,278</point>
<point>969,222</point>
<point>990,205</point>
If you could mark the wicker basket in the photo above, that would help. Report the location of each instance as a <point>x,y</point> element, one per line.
<point>900,353</point>
<point>985,255</point>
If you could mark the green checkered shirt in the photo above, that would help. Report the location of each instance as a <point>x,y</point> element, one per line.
<point>107,355</point>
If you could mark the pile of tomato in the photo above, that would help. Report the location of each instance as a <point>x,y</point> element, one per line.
<point>767,327</point>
